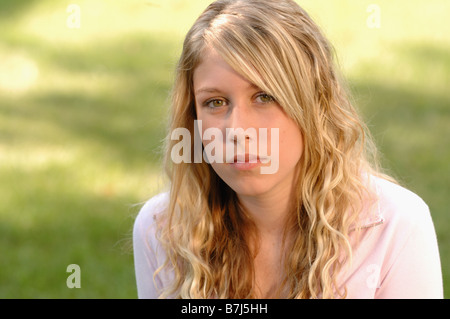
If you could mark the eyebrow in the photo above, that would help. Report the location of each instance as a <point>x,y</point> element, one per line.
<point>216,90</point>
<point>208,90</point>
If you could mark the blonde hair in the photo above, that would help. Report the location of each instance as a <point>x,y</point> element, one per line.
<point>276,46</point>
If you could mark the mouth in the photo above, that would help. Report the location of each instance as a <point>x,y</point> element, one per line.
<point>247,158</point>
<point>247,162</point>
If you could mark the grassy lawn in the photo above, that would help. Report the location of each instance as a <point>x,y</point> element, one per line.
<point>82,113</point>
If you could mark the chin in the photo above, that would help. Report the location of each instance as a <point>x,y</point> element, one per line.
<point>245,183</point>
<point>248,186</point>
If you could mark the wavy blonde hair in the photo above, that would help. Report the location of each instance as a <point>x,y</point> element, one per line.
<point>276,46</point>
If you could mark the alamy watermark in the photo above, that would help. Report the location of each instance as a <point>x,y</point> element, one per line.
<point>74,279</point>
<point>373,280</point>
<point>233,150</point>
<point>374,19</point>
<point>74,19</point>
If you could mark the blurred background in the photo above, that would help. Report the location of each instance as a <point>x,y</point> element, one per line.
<point>83,103</point>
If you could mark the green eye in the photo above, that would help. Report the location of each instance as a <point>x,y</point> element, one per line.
<point>215,103</point>
<point>265,98</point>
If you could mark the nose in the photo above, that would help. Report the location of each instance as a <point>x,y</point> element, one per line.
<point>241,136</point>
<point>239,124</point>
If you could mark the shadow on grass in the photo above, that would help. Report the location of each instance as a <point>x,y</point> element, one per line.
<point>125,120</point>
<point>412,123</point>
<point>10,9</point>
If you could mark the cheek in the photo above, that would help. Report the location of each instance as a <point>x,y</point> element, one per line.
<point>204,123</point>
<point>208,121</point>
<point>291,146</point>
<point>290,135</point>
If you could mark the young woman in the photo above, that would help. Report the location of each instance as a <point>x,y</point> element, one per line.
<point>323,223</point>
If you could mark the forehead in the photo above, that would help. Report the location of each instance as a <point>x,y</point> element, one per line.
<point>213,71</point>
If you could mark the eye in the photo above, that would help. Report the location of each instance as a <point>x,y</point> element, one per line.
<point>265,98</point>
<point>215,103</point>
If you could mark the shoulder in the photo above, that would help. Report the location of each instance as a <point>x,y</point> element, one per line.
<point>395,220</point>
<point>395,254</point>
<point>146,219</point>
<point>407,244</point>
<point>390,204</point>
<point>398,205</point>
<point>148,253</point>
<point>407,229</point>
<point>152,208</point>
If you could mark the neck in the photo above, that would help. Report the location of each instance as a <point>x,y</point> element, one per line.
<point>269,211</point>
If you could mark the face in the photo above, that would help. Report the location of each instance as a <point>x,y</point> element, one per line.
<point>259,146</point>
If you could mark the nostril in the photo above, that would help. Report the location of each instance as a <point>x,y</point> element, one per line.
<point>235,138</point>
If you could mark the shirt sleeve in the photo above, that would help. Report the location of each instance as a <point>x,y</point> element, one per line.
<point>415,271</point>
<point>147,252</point>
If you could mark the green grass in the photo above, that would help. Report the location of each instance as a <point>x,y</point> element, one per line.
<point>82,115</point>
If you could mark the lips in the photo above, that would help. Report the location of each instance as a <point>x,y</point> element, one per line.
<point>248,158</point>
<point>250,163</point>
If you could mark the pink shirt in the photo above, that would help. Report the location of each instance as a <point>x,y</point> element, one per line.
<point>396,256</point>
